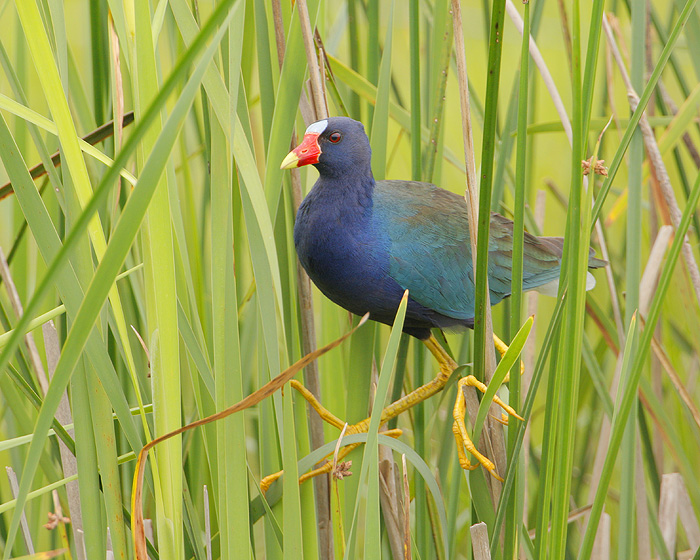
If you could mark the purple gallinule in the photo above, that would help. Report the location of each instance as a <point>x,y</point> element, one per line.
<point>364,242</point>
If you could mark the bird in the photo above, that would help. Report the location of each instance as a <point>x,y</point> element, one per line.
<point>364,242</point>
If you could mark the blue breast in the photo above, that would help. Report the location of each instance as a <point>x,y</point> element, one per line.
<point>344,251</point>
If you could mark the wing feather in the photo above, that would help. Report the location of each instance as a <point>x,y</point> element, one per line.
<point>430,252</point>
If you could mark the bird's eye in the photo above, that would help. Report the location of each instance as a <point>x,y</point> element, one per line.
<point>335,137</point>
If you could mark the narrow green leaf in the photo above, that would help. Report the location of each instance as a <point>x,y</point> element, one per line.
<point>106,272</point>
<point>629,393</point>
<point>369,469</point>
<point>503,368</point>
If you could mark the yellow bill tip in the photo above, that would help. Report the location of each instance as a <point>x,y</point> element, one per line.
<point>290,162</point>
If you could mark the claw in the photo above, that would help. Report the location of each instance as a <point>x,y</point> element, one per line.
<point>472,381</point>
<point>266,482</point>
<point>464,443</point>
<point>502,348</point>
<point>459,428</point>
<point>327,467</point>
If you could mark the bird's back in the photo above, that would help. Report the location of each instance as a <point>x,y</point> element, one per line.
<point>430,251</point>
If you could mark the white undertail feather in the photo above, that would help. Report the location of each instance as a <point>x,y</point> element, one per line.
<point>551,288</point>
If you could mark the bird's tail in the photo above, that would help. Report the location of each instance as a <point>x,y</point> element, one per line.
<point>557,244</point>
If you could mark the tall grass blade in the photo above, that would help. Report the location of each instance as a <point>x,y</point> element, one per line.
<point>104,277</point>
<point>629,393</point>
<point>516,504</point>
<point>369,468</point>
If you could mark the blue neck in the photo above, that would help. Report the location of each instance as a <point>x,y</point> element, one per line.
<point>350,199</point>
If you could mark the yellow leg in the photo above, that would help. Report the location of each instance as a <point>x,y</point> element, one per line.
<point>502,348</point>
<point>447,366</point>
<point>321,410</point>
<point>464,442</point>
<point>327,467</point>
<point>266,482</point>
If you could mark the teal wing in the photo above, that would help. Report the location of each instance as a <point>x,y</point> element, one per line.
<point>541,258</point>
<point>430,254</point>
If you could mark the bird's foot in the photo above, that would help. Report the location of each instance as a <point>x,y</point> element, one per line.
<point>334,465</point>
<point>325,468</point>
<point>502,348</point>
<point>266,482</point>
<point>329,466</point>
<point>464,442</point>
<point>447,366</point>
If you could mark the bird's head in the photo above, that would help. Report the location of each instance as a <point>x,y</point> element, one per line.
<point>335,146</point>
